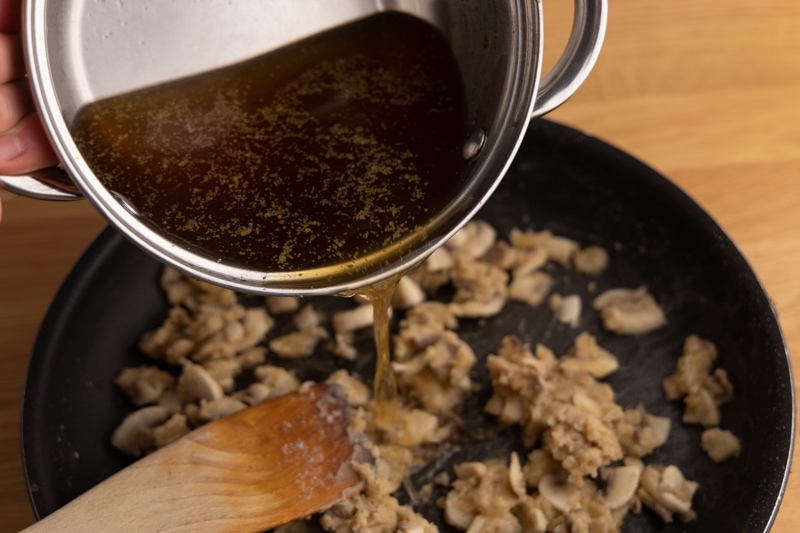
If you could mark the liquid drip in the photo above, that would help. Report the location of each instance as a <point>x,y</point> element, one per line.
<point>384,382</point>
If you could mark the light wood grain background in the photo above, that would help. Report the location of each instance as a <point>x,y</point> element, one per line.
<point>706,91</point>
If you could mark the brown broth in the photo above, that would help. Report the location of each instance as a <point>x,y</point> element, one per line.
<point>384,383</point>
<point>314,155</point>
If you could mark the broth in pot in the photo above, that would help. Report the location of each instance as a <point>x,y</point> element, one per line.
<point>315,155</point>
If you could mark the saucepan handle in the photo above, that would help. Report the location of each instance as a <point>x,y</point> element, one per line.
<point>47,184</point>
<point>577,60</point>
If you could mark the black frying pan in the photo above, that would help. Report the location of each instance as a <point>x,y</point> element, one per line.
<point>563,180</point>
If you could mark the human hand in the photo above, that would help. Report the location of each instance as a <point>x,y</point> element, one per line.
<point>24,145</point>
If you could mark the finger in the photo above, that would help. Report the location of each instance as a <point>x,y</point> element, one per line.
<point>15,103</point>
<point>10,16</point>
<point>12,63</point>
<point>26,147</point>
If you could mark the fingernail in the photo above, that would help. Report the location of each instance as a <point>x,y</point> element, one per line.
<point>10,147</point>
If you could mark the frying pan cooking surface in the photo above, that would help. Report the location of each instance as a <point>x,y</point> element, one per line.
<point>562,180</point>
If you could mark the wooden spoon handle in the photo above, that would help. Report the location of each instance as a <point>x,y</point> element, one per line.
<point>261,467</point>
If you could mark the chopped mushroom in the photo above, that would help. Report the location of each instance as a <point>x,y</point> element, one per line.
<point>667,492</point>
<point>720,444</point>
<point>435,271</point>
<point>587,356</point>
<point>344,347</point>
<point>219,408</point>
<point>307,317</point>
<point>583,470</point>
<point>629,312</point>
<point>560,249</point>
<point>483,496</point>
<point>502,255</point>
<point>352,319</point>
<point>561,494</point>
<point>480,289</point>
<point>134,436</point>
<point>591,260</point>
<point>171,430</point>
<point>144,384</point>
<point>694,364</point>
<point>279,380</point>
<point>620,484</point>
<point>224,372</point>
<point>528,261</point>
<point>531,288</point>
<point>704,391</point>
<point>195,383</point>
<point>566,308</point>
<point>473,240</point>
<point>282,304</point>
<point>640,433</point>
<point>298,344</point>
<point>407,294</point>
<point>436,371</point>
<point>529,240</point>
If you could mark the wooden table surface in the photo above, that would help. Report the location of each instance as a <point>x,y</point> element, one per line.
<point>707,92</point>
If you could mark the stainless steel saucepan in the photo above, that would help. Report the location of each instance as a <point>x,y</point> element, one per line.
<point>81,51</point>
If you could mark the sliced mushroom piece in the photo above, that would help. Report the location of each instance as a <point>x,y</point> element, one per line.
<point>298,344</point>
<point>502,255</point>
<point>560,493</point>
<point>531,515</point>
<point>255,393</point>
<point>224,371</point>
<point>529,239</point>
<point>561,249</point>
<point>344,347</point>
<point>144,384</point>
<point>566,308</point>
<point>307,317</point>
<point>591,260</point>
<point>528,261</point>
<point>481,289</point>
<point>280,380</point>
<point>134,436</point>
<point>171,430</point>
<point>407,294</point>
<point>352,319</point>
<point>252,357</point>
<point>282,304</point>
<point>257,323</point>
<point>640,433</point>
<point>587,356</point>
<point>459,511</point>
<point>667,492</point>
<point>516,478</point>
<point>441,259</point>
<point>355,390</point>
<point>620,484</point>
<point>700,408</point>
<point>219,408</point>
<point>720,444</point>
<point>531,288</point>
<point>473,240</point>
<point>629,312</point>
<point>196,383</point>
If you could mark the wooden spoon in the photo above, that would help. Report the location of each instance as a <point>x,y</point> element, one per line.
<point>251,471</point>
